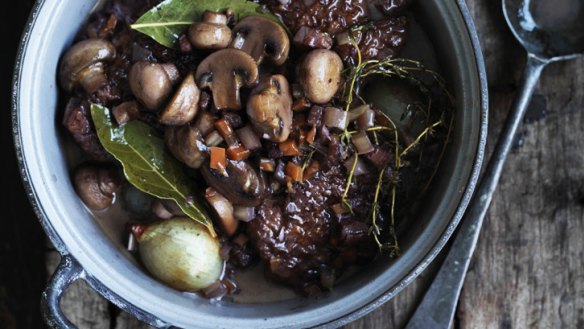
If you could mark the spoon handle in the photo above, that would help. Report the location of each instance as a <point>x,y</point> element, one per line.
<point>436,311</point>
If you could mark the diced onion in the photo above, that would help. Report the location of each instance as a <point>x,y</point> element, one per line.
<point>213,138</point>
<point>335,118</point>
<point>360,168</point>
<point>356,112</point>
<point>249,138</point>
<point>366,120</point>
<point>205,123</point>
<point>362,143</point>
<point>244,214</point>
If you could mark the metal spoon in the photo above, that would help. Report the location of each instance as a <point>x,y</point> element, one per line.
<point>550,31</point>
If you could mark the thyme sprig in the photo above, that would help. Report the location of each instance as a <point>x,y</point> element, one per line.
<point>424,79</point>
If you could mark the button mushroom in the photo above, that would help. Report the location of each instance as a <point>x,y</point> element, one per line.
<point>261,38</point>
<point>270,108</point>
<point>320,75</point>
<point>152,83</point>
<point>186,144</point>
<point>96,186</point>
<point>184,105</point>
<point>225,72</point>
<point>242,185</point>
<point>84,65</point>
<point>211,33</point>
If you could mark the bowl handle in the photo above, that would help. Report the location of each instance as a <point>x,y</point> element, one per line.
<point>67,272</point>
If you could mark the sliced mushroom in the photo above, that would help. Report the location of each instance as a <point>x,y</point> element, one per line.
<point>152,83</point>
<point>84,65</point>
<point>186,144</point>
<point>225,72</point>
<point>184,105</point>
<point>262,39</point>
<point>96,186</point>
<point>242,185</point>
<point>223,211</point>
<point>211,33</point>
<point>270,108</point>
<point>320,75</point>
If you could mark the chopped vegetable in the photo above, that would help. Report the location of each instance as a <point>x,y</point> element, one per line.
<point>218,159</point>
<point>268,165</point>
<point>249,138</point>
<point>311,135</point>
<point>205,122</point>
<point>213,139</point>
<point>294,171</point>
<point>366,120</point>
<point>311,169</point>
<point>238,152</point>
<point>335,118</point>
<point>244,214</point>
<point>290,148</point>
<point>362,143</point>
<point>356,112</point>
<point>224,128</point>
<point>360,167</point>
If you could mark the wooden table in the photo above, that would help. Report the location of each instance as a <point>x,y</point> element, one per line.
<point>527,272</point>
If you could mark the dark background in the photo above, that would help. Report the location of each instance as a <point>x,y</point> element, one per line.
<point>22,241</point>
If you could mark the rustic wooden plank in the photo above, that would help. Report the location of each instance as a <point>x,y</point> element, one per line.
<point>528,270</point>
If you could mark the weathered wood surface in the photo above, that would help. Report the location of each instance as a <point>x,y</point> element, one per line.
<point>528,269</point>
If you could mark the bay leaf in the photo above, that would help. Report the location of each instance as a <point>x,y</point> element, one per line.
<point>147,164</point>
<point>169,19</point>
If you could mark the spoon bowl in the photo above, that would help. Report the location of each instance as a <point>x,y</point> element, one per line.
<point>550,30</point>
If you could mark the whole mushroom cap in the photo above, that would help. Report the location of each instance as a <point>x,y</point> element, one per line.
<point>261,38</point>
<point>269,108</point>
<point>151,83</point>
<point>85,58</point>
<point>320,75</point>
<point>211,33</point>
<point>225,72</point>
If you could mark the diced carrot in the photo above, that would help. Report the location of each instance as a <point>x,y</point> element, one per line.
<point>290,148</point>
<point>293,171</point>
<point>218,160</point>
<point>238,152</point>
<point>311,135</point>
<point>268,165</point>
<point>225,129</point>
<point>311,169</point>
<point>302,137</point>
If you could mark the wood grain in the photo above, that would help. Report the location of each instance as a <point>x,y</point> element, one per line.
<point>528,269</point>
